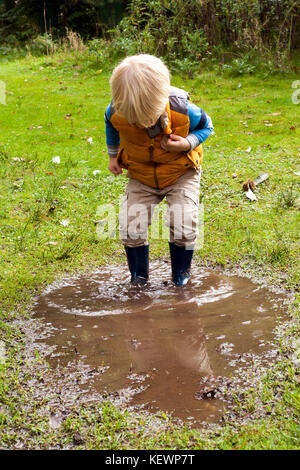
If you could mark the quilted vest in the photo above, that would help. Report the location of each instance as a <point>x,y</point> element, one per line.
<point>140,151</point>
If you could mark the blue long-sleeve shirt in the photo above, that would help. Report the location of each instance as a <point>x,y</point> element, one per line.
<point>200,129</point>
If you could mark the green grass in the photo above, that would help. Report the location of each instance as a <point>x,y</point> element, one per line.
<point>53,105</point>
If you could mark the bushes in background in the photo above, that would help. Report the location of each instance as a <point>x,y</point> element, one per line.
<point>184,32</point>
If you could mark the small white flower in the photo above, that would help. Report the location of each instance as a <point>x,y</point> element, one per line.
<point>64,222</point>
<point>248,149</point>
<point>90,140</point>
<point>96,172</point>
<point>56,159</point>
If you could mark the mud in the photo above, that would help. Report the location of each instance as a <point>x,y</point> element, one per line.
<point>159,348</point>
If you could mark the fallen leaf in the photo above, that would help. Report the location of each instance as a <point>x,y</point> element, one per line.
<point>249,184</point>
<point>77,438</point>
<point>71,183</point>
<point>18,183</point>
<point>250,195</point>
<point>55,421</point>
<point>261,178</point>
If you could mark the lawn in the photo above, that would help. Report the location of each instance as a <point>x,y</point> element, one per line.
<point>54,108</point>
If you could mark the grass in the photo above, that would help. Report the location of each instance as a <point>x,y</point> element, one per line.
<point>53,106</point>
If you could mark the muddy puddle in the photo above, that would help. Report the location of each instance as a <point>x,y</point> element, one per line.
<point>160,347</point>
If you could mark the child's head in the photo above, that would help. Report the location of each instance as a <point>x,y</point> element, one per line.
<point>140,88</point>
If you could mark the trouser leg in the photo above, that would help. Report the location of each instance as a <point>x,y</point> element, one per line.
<point>136,213</point>
<point>134,219</point>
<point>183,208</point>
<point>183,204</point>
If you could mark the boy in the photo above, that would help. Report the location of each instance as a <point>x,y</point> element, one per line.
<point>155,133</point>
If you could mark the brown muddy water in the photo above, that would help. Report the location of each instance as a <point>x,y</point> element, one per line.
<point>159,348</point>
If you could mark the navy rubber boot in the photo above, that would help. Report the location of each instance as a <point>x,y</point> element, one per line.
<point>181,260</point>
<point>138,264</point>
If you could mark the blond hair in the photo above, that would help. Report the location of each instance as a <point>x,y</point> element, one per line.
<point>140,87</point>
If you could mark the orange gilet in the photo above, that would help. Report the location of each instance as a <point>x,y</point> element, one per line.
<point>140,151</point>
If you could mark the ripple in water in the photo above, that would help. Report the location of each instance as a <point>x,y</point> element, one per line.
<point>159,347</point>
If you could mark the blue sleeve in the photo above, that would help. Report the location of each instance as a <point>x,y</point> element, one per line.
<point>201,125</point>
<point>112,135</point>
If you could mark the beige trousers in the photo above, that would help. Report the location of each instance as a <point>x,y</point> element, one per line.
<point>140,201</point>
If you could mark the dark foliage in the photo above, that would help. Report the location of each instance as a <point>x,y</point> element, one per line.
<point>23,19</point>
<point>185,30</point>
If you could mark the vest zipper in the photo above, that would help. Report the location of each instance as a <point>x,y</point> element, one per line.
<point>151,148</point>
<point>151,152</point>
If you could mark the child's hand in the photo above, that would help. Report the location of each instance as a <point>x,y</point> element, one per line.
<point>114,166</point>
<point>175,143</point>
